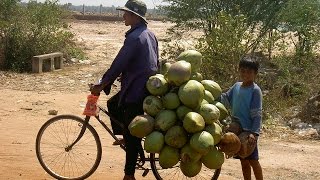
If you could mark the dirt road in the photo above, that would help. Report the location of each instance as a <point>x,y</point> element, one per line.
<point>26,99</point>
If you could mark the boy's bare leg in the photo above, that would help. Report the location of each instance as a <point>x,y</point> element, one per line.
<point>246,169</point>
<point>257,170</point>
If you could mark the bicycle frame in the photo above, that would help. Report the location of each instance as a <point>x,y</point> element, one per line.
<point>140,162</point>
<point>83,127</point>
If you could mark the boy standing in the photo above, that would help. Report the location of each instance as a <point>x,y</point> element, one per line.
<point>245,101</point>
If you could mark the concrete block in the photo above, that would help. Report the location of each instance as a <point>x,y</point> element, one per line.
<point>47,62</point>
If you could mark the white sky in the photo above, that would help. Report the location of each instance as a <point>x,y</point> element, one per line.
<point>150,3</point>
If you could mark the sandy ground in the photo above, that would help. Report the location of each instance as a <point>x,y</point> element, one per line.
<point>26,99</point>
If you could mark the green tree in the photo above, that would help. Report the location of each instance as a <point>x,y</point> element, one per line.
<point>223,47</point>
<point>230,28</point>
<point>303,19</point>
<point>202,14</point>
<point>36,28</point>
<point>8,9</point>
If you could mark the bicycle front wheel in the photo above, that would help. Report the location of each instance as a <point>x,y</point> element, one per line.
<point>176,173</point>
<point>55,156</point>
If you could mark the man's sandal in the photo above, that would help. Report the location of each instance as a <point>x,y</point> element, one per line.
<point>116,143</point>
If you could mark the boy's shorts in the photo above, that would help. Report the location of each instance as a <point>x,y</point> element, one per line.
<point>253,156</point>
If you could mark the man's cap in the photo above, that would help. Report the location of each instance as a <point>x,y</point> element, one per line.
<point>137,7</point>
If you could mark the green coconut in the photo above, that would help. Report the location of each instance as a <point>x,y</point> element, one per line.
<point>165,119</point>
<point>176,137</point>
<point>182,111</point>
<point>154,142</point>
<point>191,169</point>
<point>202,142</point>
<point>216,131</point>
<point>223,110</point>
<point>209,112</point>
<point>188,154</point>
<point>157,85</point>
<point>191,94</point>
<point>160,75</point>
<point>179,73</point>
<point>152,105</point>
<point>193,57</point>
<point>204,102</point>
<point>208,96</point>
<point>193,122</point>
<point>170,101</point>
<point>196,76</point>
<point>141,126</point>
<point>168,157</point>
<point>197,109</point>
<point>213,87</point>
<point>213,159</point>
<point>164,68</point>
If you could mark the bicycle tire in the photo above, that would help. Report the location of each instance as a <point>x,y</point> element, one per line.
<point>175,172</point>
<point>60,140</point>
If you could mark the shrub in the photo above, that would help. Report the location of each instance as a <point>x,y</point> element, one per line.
<point>34,29</point>
<point>223,47</point>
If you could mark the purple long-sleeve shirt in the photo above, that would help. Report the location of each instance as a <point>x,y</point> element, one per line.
<point>136,61</point>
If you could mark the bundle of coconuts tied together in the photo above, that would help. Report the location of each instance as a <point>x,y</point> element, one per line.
<point>182,118</point>
<point>236,141</point>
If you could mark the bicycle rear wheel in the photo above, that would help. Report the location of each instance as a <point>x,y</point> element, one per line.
<point>176,173</point>
<point>52,141</point>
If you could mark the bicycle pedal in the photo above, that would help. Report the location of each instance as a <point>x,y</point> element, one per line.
<point>145,172</point>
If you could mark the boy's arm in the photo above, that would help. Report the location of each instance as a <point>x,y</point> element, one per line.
<point>256,111</point>
<point>226,98</point>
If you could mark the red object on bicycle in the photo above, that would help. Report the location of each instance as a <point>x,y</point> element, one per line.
<point>91,106</point>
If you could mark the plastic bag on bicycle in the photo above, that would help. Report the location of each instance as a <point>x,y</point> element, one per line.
<point>91,108</point>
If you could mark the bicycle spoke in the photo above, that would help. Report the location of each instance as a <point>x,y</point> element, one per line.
<point>61,162</point>
<point>85,159</point>
<point>53,133</point>
<point>72,159</point>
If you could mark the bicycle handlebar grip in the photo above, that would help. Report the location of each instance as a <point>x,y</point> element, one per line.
<point>91,108</point>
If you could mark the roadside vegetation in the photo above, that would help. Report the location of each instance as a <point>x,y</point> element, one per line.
<point>283,35</point>
<point>33,29</point>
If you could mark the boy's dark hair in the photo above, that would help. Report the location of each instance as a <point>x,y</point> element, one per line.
<point>250,63</point>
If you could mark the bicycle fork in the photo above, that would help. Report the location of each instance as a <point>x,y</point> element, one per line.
<point>140,162</point>
<point>83,129</point>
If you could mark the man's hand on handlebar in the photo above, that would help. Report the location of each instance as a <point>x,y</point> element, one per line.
<point>95,89</point>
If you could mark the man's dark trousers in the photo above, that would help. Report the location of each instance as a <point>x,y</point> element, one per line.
<point>125,114</point>
<point>133,144</point>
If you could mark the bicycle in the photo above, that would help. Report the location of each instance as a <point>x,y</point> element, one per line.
<point>68,147</point>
